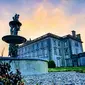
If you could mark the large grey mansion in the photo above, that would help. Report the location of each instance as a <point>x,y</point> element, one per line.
<point>64,51</point>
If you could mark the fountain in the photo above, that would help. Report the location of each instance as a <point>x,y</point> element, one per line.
<point>25,65</point>
<point>14,39</point>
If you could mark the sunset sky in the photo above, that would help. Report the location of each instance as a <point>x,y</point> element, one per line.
<point>39,17</point>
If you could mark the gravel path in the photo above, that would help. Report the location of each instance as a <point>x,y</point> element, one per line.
<point>56,78</point>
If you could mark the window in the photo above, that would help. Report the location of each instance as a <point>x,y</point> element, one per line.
<point>43,52</point>
<point>18,52</point>
<point>40,53</point>
<point>42,44</point>
<point>34,54</point>
<point>58,43</point>
<point>60,52</point>
<point>45,43</point>
<point>54,42</point>
<point>33,47</point>
<point>76,44</point>
<point>76,51</point>
<point>55,50</point>
<point>65,44</point>
<point>46,52</point>
<point>29,50</point>
<point>37,46</point>
<point>26,48</point>
<point>66,51</point>
<point>67,62</point>
<point>27,54</point>
<point>23,49</point>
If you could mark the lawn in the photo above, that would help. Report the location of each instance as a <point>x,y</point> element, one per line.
<point>65,69</point>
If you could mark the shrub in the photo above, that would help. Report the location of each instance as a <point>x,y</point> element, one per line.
<point>9,78</point>
<point>51,64</point>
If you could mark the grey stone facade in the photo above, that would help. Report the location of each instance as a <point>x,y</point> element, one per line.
<point>53,47</point>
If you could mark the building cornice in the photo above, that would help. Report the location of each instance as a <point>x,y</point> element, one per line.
<point>41,38</point>
<point>52,36</point>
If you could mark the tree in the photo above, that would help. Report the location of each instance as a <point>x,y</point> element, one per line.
<point>51,64</point>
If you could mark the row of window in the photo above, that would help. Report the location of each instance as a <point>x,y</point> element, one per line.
<point>75,43</point>
<point>56,42</point>
<point>32,55</point>
<point>33,47</point>
<point>58,51</point>
<point>36,53</point>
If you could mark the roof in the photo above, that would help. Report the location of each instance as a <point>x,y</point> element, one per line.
<point>41,38</point>
<point>71,37</point>
<point>49,35</point>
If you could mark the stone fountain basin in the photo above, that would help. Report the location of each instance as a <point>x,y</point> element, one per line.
<point>27,66</point>
<point>14,39</point>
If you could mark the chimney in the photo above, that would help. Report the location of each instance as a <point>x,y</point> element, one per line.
<point>78,36</point>
<point>29,39</point>
<point>73,33</point>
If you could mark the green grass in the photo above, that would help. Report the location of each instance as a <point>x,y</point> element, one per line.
<point>65,69</point>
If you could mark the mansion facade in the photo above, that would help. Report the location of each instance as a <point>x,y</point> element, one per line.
<point>52,47</point>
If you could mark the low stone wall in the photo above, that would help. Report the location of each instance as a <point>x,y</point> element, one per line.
<point>27,66</point>
<point>56,78</point>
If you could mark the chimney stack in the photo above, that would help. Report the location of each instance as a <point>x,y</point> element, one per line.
<point>74,33</point>
<point>78,36</point>
<point>29,39</point>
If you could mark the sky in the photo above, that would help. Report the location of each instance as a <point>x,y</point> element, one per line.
<point>39,17</point>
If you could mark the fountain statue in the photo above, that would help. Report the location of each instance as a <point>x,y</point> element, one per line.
<point>15,28</point>
<point>14,39</point>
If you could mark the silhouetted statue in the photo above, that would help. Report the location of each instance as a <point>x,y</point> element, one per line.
<point>16,17</point>
<point>15,27</point>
